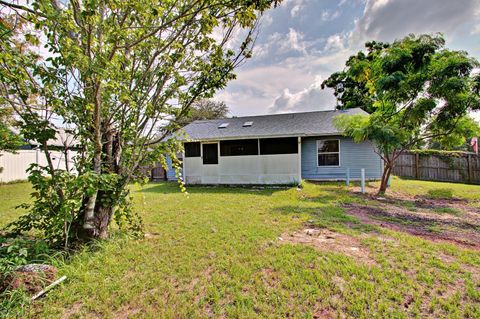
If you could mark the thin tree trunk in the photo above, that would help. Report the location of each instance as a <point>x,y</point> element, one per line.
<point>385,177</point>
<point>89,223</point>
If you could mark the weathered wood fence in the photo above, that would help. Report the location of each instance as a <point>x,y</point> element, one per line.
<point>458,167</point>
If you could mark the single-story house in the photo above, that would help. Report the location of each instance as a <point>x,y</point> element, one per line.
<point>274,149</point>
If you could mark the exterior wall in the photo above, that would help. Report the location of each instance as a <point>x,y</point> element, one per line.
<point>249,169</point>
<point>15,165</point>
<point>352,155</point>
<point>170,171</point>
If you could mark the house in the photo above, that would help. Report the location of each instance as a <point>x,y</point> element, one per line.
<point>274,149</point>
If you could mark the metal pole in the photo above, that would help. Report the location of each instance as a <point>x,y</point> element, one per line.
<point>363,180</point>
<point>348,176</point>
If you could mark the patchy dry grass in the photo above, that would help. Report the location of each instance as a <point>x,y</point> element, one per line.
<point>217,253</point>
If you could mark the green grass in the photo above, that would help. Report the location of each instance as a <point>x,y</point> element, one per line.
<point>11,195</point>
<point>435,189</point>
<point>216,253</point>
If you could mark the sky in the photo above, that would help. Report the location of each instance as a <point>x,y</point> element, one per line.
<point>302,42</point>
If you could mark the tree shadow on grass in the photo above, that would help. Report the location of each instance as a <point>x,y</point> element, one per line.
<point>173,188</point>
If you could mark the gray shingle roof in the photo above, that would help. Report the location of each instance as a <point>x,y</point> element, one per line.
<point>277,125</point>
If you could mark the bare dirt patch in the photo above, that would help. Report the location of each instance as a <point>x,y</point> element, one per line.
<point>326,240</point>
<point>424,223</point>
<point>72,311</point>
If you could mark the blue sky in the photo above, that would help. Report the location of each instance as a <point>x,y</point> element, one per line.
<point>303,41</point>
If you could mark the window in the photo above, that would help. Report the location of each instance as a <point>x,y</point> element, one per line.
<point>210,153</point>
<point>248,124</point>
<point>239,147</point>
<point>278,146</point>
<point>192,149</point>
<point>223,125</point>
<point>328,152</point>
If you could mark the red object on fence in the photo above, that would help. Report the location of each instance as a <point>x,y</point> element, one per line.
<point>474,144</point>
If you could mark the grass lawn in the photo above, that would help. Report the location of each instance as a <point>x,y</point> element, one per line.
<point>415,187</point>
<point>238,253</point>
<point>11,195</point>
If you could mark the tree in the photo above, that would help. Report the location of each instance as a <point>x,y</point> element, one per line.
<point>205,110</point>
<point>458,138</point>
<point>117,71</point>
<point>9,141</point>
<point>414,88</point>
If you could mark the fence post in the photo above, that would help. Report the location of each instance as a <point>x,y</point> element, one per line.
<point>417,166</point>
<point>348,176</point>
<point>470,168</point>
<point>363,180</point>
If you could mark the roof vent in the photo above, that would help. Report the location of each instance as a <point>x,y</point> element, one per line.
<point>247,124</point>
<point>223,125</point>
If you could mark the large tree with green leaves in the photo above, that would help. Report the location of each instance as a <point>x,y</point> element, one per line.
<point>122,73</point>
<point>206,109</point>
<point>458,138</point>
<point>414,89</point>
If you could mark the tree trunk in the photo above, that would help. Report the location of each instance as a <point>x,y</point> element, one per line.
<point>103,215</point>
<point>385,177</point>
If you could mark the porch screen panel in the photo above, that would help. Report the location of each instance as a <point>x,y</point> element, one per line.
<point>270,146</point>
<point>192,149</point>
<point>239,147</point>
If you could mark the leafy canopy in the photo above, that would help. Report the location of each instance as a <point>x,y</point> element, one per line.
<point>205,109</point>
<point>414,89</point>
<point>123,74</point>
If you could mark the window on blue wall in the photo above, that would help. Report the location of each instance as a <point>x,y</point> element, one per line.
<point>192,149</point>
<point>239,147</point>
<point>328,152</point>
<point>270,146</point>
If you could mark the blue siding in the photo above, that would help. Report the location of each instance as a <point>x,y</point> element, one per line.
<point>352,155</point>
<point>170,171</point>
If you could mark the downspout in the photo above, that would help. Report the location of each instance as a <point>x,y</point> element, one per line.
<point>299,140</point>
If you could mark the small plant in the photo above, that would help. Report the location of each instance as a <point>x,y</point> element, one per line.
<point>440,193</point>
<point>18,252</point>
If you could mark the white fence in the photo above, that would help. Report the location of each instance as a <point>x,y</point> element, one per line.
<point>14,166</point>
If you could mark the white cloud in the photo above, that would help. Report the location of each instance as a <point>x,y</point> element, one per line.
<point>288,67</point>
<point>335,43</point>
<point>295,11</point>
<point>386,20</point>
<point>278,43</point>
<point>313,98</point>
<point>328,15</point>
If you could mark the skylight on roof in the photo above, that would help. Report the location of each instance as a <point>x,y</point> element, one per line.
<point>223,125</point>
<point>247,124</point>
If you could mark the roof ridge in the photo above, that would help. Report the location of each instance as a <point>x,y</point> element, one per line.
<point>266,115</point>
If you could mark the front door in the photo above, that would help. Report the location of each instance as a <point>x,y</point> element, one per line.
<point>210,163</point>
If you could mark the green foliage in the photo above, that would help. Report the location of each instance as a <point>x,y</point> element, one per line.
<point>438,152</point>
<point>124,75</point>
<point>54,213</point>
<point>8,140</point>
<point>414,88</point>
<point>17,252</point>
<point>205,110</point>
<point>459,137</point>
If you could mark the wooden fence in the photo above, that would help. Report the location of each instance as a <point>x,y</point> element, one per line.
<point>458,167</point>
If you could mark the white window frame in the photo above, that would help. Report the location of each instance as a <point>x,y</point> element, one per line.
<point>317,153</point>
